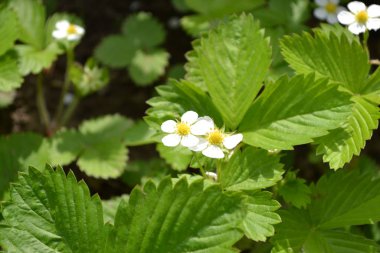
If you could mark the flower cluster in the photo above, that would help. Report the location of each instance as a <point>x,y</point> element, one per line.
<point>65,30</point>
<point>199,134</point>
<point>358,17</point>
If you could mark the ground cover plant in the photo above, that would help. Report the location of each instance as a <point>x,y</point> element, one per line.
<point>259,135</point>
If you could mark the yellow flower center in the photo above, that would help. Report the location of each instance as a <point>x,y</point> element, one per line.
<point>330,7</point>
<point>71,29</point>
<point>362,17</point>
<point>215,138</point>
<point>183,129</point>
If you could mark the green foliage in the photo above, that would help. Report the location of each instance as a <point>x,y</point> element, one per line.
<point>136,48</point>
<point>339,199</point>
<point>50,212</point>
<point>110,207</point>
<point>88,78</point>
<point>139,134</point>
<point>283,116</point>
<point>295,191</point>
<point>8,30</point>
<point>251,169</point>
<point>179,157</point>
<point>10,77</point>
<point>224,57</point>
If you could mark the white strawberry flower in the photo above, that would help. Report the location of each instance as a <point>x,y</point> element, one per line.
<point>360,18</point>
<point>183,131</point>
<point>328,10</point>
<point>215,141</point>
<point>65,30</point>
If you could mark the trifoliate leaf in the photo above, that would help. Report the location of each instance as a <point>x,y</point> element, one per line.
<point>175,99</point>
<point>31,17</point>
<point>250,170</point>
<point>33,60</point>
<point>340,59</point>
<point>296,233</point>
<point>10,77</point>
<point>341,144</point>
<point>346,198</point>
<point>260,217</point>
<point>179,217</point>
<point>116,51</point>
<point>233,61</point>
<point>52,212</point>
<point>293,111</point>
<point>143,30</point>
<point>295,191</point>
<point>179,157</point>
<point>9,29</point>
<point>146,68</point>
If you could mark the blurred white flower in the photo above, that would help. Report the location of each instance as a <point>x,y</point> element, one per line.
<point>65,30</point>
<point>215,141</point>
<point>360,18</point>
<point>328,10</point>
<point>212,175</point>
<point>184,131</point>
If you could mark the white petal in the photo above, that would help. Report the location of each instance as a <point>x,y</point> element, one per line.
<point>203,126</point>
<point>189,117</point>
<point>212,175</point>
<point>169,126</point>
<point>332,19</point>
<point>189,140</point>
<point>356,7</point>
<point>73,37</point>
<point>62,25</point>
<point>373,11</point>
<point>202,144</point>
<point>58,34</point>
<point>171,140</point>
<point>320,13</point>
<point>321,2</point>
<point>346,17</point>
<point>79,29</point>
<point>373,24</point>
<point>232,141</point>
<point>213,152</point>
<point>357,28</point>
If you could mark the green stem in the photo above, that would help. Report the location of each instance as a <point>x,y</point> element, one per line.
<point>41,103</point>
<point>66,85</point>
<point>202,171</point>
<point>365,41</point>
<point>69,111</point>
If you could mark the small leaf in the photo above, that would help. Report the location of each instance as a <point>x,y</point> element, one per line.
<point>295,191</point>
<point>293,111</point>
<point>250,170</point>
<point>143,30</point>
<point>139,134</point>
<point>9,29</point>
<point>116,51</point>
<point>10,77</point>
<point>179,157</point>
<point>146,68</point>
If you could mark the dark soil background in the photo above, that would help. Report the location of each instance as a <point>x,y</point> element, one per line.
<point>102,18</point>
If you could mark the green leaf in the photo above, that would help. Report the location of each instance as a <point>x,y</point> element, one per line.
<point>116,51</point>
<point>222,7</point>
<point>10,77</point>
<point>372,88</point>
<point>50,212</point>
<point>260,217</point>
<point>110,207</point>
<point>295,191</point>
<point>180,217</point>
<point>146,68</point>
<point>65,147</point>
<point>347,198</point>
<point>175,99</point>
<point>9,29</point>
<point>139,134</point>
<point>341,144</point>
<point>341,59</point>
<point>233,61</point>
<point>293,111</point>
<point>31,17</point>
<point>297,234</point>
<point>195,25</point>
<point>33,60</point>
<point>179,157</point>
<point>144,30</point>
<point>251,169</point>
